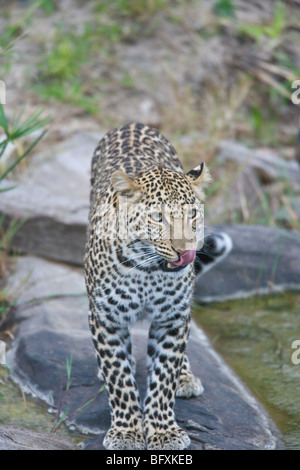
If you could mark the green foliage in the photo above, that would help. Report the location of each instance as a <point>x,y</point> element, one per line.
<point>13,131</point>
<point>4,304</point>
<point>17,129</point>
<point>132,8</point>
<point>263,123</point>
<point>12,31</point>
<point>256,119</point>
<point>140,7</point>
<point>69,370</point>
<point>224,8</point>
<point>68,53</point>
<point>68,91</point>
<point>272,30</point>
<point>48,6</point>
<point>127,81</point>
<point>61,69</point>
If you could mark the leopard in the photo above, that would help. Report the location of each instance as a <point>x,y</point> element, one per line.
<point>140,263</point>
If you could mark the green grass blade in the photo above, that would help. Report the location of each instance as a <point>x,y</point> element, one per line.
<point>3,146</point>
<point>3,120</point>
<point>13,165</point>
<point>30,125</point>
<point>7,189</point>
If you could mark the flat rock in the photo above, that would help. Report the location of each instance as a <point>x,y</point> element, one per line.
<point>263,260</point>
<point>16,438</point>
<point>53,202</point>
<point>54,329</point>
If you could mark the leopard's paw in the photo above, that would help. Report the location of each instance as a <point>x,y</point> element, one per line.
<point>124,439</point>
<point>175,439</point>
<point>189,386</point>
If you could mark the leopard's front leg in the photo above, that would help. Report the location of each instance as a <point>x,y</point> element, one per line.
<point>166,349</point>
<point>116,366</point>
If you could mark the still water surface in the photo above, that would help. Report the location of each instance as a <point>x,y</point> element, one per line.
<point>255,337</point>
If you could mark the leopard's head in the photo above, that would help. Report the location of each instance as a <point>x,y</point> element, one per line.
<point>165,209</point>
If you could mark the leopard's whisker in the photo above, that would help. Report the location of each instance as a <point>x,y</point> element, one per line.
<point>129,260</point>
<point>155,255</point>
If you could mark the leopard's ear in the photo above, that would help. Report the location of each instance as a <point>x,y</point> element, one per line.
<point>125,186</point>
<point>199,178</point>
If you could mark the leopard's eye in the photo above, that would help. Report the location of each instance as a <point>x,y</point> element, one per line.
<point>192,213</point>
<point>156,216</point>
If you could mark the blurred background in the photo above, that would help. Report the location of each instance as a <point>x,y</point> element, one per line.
<point>200,71</point>
<point>220,79</point>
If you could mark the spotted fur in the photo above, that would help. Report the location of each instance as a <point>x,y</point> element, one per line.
<point>125,282</point>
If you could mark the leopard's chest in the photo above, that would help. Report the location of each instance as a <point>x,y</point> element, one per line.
<point>138,294</point>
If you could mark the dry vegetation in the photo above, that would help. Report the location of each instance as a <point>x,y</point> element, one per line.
<point>202,71</point>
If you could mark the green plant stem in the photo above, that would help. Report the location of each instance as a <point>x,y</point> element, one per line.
<point>19,159</point>
<point>65,417</point>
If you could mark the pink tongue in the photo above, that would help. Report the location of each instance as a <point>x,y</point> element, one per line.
<point>185,258</point>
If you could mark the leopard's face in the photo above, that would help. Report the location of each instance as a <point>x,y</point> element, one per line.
<point>165,210</point>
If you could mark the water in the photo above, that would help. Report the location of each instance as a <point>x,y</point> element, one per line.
<point>255,337</point>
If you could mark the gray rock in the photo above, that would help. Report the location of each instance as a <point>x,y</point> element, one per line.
<point>53,202</point>
<point>263,260</point>
<point>55,329</point>
<point>16,438</point>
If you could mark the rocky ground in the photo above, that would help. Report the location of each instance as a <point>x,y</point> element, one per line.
<point>53,329</point>
<point>49,316</point>
<point>216,81</point>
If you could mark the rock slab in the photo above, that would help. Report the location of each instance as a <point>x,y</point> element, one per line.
<point>54,329</point>
<point>263,260</point>
<point>16,438</point>
<point>52,204</point>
